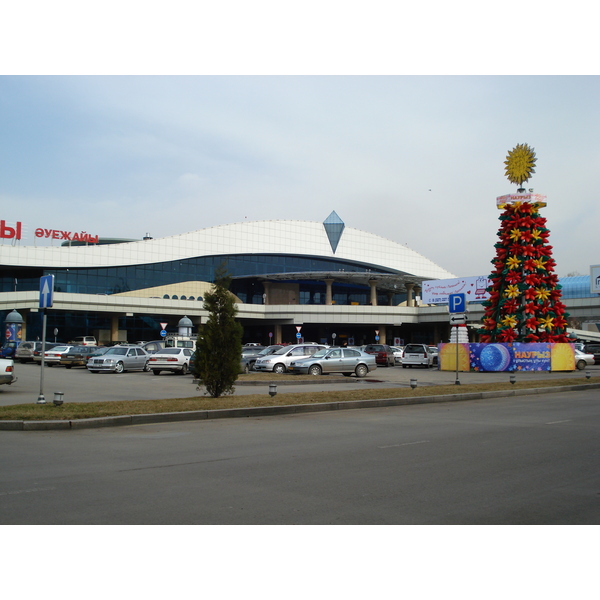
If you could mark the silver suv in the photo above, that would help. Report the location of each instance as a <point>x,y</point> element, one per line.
<point>119,359</point>
<point>279,361</point>
<point>27,350</point>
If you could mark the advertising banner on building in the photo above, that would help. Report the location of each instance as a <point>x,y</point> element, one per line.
<point>437,291</point>
<point>595,279</point>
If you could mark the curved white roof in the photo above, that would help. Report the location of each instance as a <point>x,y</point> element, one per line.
<point>249,237</point>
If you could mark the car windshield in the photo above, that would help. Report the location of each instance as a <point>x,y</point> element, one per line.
<point>282,350</point>
<point>320,353</point>
<point>60,349</point>
<point>414,349</point>
<point>119,351</point>
<point>267,351</point>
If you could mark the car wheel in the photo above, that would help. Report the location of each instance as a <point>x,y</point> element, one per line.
<point>279,368</point>
<point>314,370</point>
<point>68,366</point>
<point>246,369</point>
<point>184,370</point>
<point>93,371</point>
<point>119,368</point>
<point>581,364</point>
<point>346,374</point>
<point>146,367</point>
<point>361,371</point>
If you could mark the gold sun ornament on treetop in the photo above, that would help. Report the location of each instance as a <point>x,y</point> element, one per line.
<point>520,164</point>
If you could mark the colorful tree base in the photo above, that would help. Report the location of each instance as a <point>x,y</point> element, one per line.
<point>525,298</point>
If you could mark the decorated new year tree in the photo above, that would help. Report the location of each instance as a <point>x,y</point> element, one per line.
<point>525,298</point>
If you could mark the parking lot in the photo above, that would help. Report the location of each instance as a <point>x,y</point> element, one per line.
<point>78,385</point>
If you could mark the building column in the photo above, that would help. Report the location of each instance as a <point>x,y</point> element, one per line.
<point>409,293</point>
<point>267,288</point>
<point>328,292</point>
<point>390,296</point>
<point>417,293</point>
<point>277,336</point>
<point>373,284</point>
<point>382,335</point>
<point>114,328</point>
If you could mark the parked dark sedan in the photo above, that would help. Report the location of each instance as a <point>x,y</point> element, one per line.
<point>78,356</point>
<point>384,355</point>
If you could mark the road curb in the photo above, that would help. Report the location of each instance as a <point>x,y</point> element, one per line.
<point>265,411</point>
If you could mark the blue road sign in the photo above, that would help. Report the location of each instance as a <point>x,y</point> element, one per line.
<point>163,333</point>
<point>46,291</point>
<point>298,335</point>
<point>457,303</point>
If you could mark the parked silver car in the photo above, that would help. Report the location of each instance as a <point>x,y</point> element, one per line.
<point>279,361</point>
<point>583,359</point>
<point>119,359</point>
<point>26,350</point>
<point>335,360</point>
<point>249,358</point>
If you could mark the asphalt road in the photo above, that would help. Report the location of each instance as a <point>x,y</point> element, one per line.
<point>519,460</point>
<point>78,385</point>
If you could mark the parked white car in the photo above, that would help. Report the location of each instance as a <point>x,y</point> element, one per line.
<point>417,355</point>
<point>397,350</point>
<point>52,356</point>
<point>7,371</point>
<point>279,361</point>
<point>176,360</point>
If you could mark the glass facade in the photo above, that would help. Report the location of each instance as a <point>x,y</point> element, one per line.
<point>243,268</point>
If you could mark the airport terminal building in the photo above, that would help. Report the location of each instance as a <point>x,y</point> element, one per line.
<point>316,279</point>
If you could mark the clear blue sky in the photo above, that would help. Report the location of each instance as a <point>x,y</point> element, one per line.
<point>418,159</point>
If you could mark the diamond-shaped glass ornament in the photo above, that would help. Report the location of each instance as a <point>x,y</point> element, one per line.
<point>334,228</point>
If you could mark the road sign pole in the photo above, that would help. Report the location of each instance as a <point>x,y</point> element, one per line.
<point>456,382</point>
<point>41,399</point>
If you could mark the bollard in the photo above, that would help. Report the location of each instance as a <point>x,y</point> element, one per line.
<point>58,398</point>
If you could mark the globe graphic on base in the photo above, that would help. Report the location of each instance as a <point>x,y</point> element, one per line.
<point>495,357</point>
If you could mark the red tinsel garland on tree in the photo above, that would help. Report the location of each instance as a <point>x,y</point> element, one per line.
<point>524,303</point>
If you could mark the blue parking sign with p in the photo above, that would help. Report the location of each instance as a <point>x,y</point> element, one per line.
<point>457,303</point>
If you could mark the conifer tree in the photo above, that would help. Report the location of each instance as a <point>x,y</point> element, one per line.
<point>525,298</point>
<point>219,344</point>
